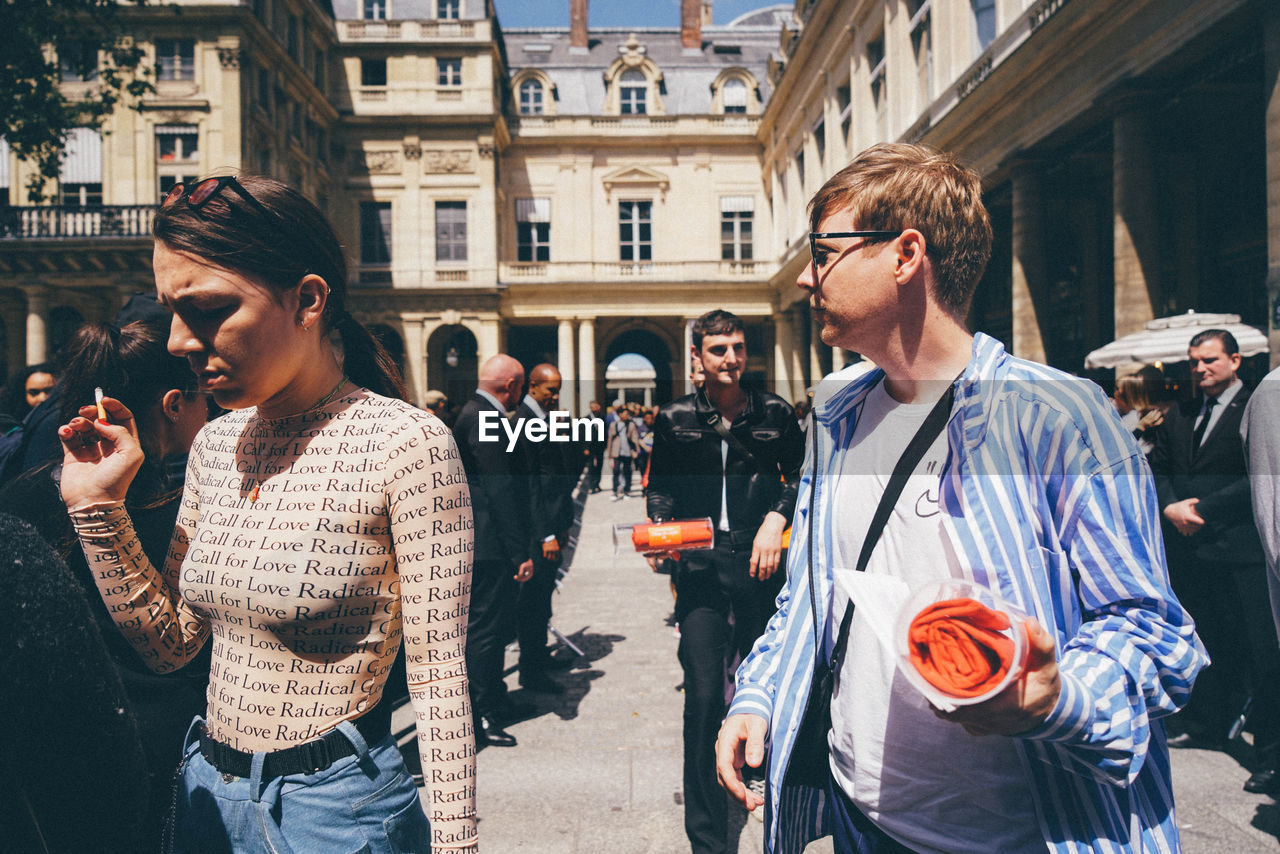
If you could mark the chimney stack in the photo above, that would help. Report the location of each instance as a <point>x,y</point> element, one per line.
<point>691,25</point>
<point>577,26</point>
<point>706,13</point>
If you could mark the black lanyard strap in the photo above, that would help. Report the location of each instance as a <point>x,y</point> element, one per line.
<point>932,427</point>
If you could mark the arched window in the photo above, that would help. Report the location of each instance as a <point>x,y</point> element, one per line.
<point>531,98</point>
<point>734,94</point>
<point>633,88</point>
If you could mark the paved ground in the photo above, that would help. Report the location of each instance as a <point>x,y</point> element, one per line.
<point>597,770</point>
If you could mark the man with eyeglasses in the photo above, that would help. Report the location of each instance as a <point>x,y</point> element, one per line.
<point>1013,477</point>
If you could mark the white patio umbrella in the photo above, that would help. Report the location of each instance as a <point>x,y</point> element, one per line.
<point>1165,339</point>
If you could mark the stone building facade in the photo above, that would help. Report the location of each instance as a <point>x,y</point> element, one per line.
<point>572,194</point>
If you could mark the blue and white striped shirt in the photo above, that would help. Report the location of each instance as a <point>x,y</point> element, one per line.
<point>1048,502</point>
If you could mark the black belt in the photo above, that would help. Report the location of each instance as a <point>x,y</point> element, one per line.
<point>305,758</point>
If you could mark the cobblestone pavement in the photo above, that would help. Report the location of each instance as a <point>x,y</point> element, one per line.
<point>597,770</point>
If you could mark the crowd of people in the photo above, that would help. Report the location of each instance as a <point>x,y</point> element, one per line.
<point>254,543</point>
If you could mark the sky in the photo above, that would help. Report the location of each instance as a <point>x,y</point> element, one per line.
<point>615,13</point>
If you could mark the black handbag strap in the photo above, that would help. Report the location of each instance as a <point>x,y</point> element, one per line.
<point>933,424</point>
<point>717,422</point>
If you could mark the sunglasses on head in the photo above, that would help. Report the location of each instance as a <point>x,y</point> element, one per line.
<point>200,193</point>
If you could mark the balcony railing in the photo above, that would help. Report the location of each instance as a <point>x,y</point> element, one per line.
<point>629,271</point>
<point>61,222</point>
<point>405,30</point>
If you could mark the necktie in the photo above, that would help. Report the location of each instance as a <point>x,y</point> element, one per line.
<point>1198,436</point>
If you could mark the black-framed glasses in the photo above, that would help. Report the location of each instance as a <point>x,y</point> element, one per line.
<point>815,236</point>
<point>202,192</point>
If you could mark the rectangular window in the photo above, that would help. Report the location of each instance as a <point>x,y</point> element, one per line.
<point>374,10</point>
<point>177,143</point>
<point>531,98</point>
<point>448,9</point>
<point>922,48</point>
<point>631,93</point>
<point>176,59</point>
<point>373,72</point>
<point>844,103</point>
<point>984,22</point>
<point>735,96</point>
<point>80,171</point>
<point>635,231</point>
<point>451,231</point>
<point>533,229</point>
<point>820,143</point>
<point>81,195</point>
<point>319,58</point>
<point>375,232</point>
<point>736,215</point>
<point>167,182</point>
<point>800,172</point>
<point>291,36</point>
<point>449,72</point>
<point>77,61</point>
<point>879,94</point>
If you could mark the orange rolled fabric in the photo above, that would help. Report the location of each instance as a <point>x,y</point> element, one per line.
<point>668,536</point>
<point>959,647</point>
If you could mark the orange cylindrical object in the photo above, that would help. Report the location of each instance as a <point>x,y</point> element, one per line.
<point>959,647</point>
<point>693,534</point>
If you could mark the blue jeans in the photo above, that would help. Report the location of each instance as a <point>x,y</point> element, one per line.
<point>362,804</point>
<point>851,831</point>
<point>621,475</point>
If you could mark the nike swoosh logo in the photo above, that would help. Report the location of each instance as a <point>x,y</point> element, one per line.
<point>927,504</point>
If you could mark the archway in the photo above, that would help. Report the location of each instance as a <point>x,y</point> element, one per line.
<point>630,379</point>
<point>653,348</point>
<point>453,364</point>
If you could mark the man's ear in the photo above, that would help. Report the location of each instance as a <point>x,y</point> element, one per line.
<point>910,247</point>
<point>313,295</point>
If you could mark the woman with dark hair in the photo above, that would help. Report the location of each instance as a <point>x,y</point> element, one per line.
<point>27,389</point>
<point>323,520</point>
<point>1141,400</point>
<point>133,366</point>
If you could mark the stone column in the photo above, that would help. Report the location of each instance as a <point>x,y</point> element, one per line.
<point>37,323</point>
<point>415,359</point>
<point>587,359</point>
<point>427,327</point>
<point>564,363</point>
<point>1271,42</point>
<point>799,382</point>
<point>782,346</point>
<point>1136,222</point>
<point>1030,267</point>
<point>488,340</point>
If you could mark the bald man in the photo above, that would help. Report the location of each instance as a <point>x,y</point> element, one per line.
<point>500,508</point>
<point>553,474</point>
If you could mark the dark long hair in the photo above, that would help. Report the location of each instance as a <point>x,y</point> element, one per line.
<point>279,249</point>
<point>131,364</point>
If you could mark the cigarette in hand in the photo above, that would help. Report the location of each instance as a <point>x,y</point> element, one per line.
<point>102,410</point>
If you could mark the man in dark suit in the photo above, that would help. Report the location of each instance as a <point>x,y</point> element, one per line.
<point>500,507</point>
<point>594,451</point>
<point>553,474</point>
<point>1215,558</point>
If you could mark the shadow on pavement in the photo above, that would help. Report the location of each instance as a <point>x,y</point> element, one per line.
<point>1267,819</point>
<point>576,681</point>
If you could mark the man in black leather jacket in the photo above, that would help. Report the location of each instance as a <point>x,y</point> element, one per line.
<point>747,484</point>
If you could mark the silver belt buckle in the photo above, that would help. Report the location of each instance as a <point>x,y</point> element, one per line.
<point>228,778</point>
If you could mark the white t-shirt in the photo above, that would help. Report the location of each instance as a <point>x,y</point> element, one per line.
<point>922,780</point>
